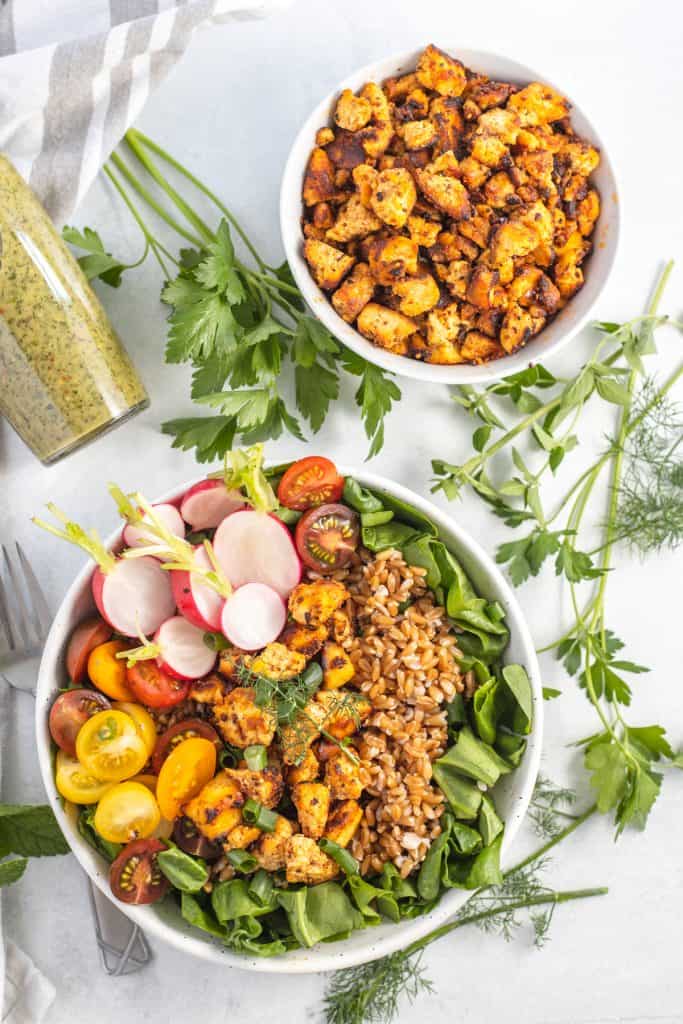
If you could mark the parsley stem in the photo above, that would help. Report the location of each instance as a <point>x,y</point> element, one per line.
<point>145,194</point>
<point>151,243</point>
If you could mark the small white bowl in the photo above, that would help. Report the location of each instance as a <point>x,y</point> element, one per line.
<point>569,321</point>
<point>164,921</point>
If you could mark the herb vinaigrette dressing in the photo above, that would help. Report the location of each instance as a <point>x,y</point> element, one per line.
<point>64,375</point>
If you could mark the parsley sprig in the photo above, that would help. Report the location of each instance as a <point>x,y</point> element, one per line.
<point>237,323</point>
<point>645,509</point>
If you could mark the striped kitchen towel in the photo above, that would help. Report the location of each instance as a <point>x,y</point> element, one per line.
<point>75,74</point>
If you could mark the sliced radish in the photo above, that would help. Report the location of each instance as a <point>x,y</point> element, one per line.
<point>138,536</point>
<point>207,503</point>
<point>134,596</point>
<point>199,603</point>
<point>183,651</point>
<point>252,547</point>
<point>253,616</point>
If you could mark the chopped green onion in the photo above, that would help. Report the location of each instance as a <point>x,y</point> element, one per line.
<point>241,860</point>
<point>254,813</point>
<point>229,756</point>
<point>343,858</point>
<point>261,887</point>
<point>378,518</point>
<point>216,642</point>
<point>256,757</point>
<point>289,516</point>
<point>312,676</point>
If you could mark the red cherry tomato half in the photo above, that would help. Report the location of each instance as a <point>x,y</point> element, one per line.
<point>69,712</point>
<point>182,731</point>
<point>154,687</point>
<point>326,537</point>
<point>189,838</point>
<point>85,637</point>
<point>309,482</point>
<point>135,876</point>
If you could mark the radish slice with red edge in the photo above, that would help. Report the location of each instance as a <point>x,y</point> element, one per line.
<point>184,654</point>
<point>197,601</point>
<point>134,596</point>
<point>253,616</point>
<point>252,547</point>
<point>139,537</point>
<point>207,503</point>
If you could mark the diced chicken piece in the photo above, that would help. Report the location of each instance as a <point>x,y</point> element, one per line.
<point>276,661</point>
<point>446,115</point>
<point>473,173</point>
<point>312,802</point>
<point>415,106</point>
<point>588,212</point>
<point>418,294</point>
<point>343,778</point>
<point>345,711</point>
<point>313,604</point>
<point>270,849</point>
<point>352,112</point>
<point>499,191</point>
<point>346,150</point>
<point>341,627</point>
<point>306,862</point>
<point>353,221</point>
<point>328,265</point>
<point>418,134</point>
<point>488,149</point>
<point>211,690</point>
<point>518,326</point>
<point>324,136</point>
<point>504,124</point>
<point>319,183</point>
<point>538,104</point>
<point>343,822</point>
<point>512,240</point>
<point>578,157</point>
<point>447,248</point>
<point>489,321</point>
<point>354,293</point>
<point>444,325</point>
<point>307,771</point>
<point>567,273</point>
<point>216,810</point>
<point>386,327</point>
<point>379,133</point>
<point>538,217</point>
<point>478,228</point>
<point>481,286</point>
<point>479,348</point>
<point>241,837</point>
<point>538,165</point>
<point>266,786</point>
<point>393,196</point>
<point>296,738</point>
<point>437,181</point>
<point>392,258</point>
<point>437,71</point>
<point>399,88</point>
<point>456,277</point>
<point>241,722</point>
<point>305,640</point>
<point>364,178</point>
<point>486,93</point>
<point>337,666</point>
<point>422,231</point>
<point>532,287</point>
<point>323,216</point>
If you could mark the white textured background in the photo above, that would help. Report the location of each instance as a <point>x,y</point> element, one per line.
<point>229,111</point>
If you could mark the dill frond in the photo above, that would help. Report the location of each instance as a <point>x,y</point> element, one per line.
<point>371,993</point>
<point>547,807</point>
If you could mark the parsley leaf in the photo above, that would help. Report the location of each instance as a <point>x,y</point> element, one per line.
<point>98,263</point>
<point>374,396</point>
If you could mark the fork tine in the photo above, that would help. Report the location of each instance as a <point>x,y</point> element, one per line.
<point>5,620</point>
<point>19,609</point>
<point>40,612</point>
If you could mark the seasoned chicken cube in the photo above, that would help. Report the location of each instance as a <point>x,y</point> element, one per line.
<point>399,88</point>
<point>386,327</point>
<point>379,132</point>
<point>486,93</point>
<point>415,106</point>
<point>341,627</point>
<point>364,178</point>
<point>354,293</point>
<point>241,837</point>
<point>353,221</point>
<point>216,809</point>
<point>518,326</point>
<point>266,786</point>
<point>337,666</point>
<point>437,71</point>
<point>392,258</point>
<point>323,216</point>
<point>538,165</point>
<point>499,191</point>
<point>504,124</point>
<point>456,276</point>
<point>241,722</point>
<point>538,217</point>
<point>512,240</point>
<point>418,134</point>
<point>312,604</point>
<point>211,690</point>
<point>473,173</point>
<point>422,231</point>
<point>447,248</point>
<point>393,196</point>
<point>538,104</point>
<point>319,183</point>
<point>481,286</point>
<point>296,738</point>
<point>346,150</point>
<point>345,711</point>
<point>327,264</point>
<point>588,212</point>
<point>488,149</point>
<point>270,849</point>
<point>444,325</point>
<point>305,862</point>
<point>443,189</point>
<point>307,771</point>
<point>418,294</point>
<point>343,778</point>
<point>578,157</point>
<point>446,115</point>
<point>479,348</point>
<point>523,288</point>
<point>324,136</point>
<point>305,640</point>
<point>343,822</point>
<point>352,112</point>
<point>478,228</point>
<point>312,802</point>
<point>276,661</point>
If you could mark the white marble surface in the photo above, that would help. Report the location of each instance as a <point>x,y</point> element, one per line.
<point>229,110</point>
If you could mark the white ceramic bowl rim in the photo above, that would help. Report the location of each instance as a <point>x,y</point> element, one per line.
<point>575,315</point>
<point>362,946</point>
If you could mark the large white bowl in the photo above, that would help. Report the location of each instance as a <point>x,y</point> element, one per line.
<point>569,321</point>
<point>164,921</point>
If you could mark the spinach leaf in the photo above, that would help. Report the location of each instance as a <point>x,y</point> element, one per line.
<point>86,828</point>
<point>364,895</point>
<point>473,758</point>
<point>398,895</point>
<point>476,872</point>
<point>359,498</point>
<point>405,512</point>
<point>233,899</point>
<point>195,914</point>
<point>489,824</point>
<point>464,841</point>
<point>463,795</point>
<point>517,682</point>
<point>429,877</point>
<point>319,912</point>
<point>388,535</point>
<point>189,874</point>
<point>420,552</point>
<point>488,704</point>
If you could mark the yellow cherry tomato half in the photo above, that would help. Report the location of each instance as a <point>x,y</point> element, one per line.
<point>110,747</point>
<point>144,723</point>
<point>126,812</point>
<point>185,771</point>
<point>107,672</point>
<point>76,783</point>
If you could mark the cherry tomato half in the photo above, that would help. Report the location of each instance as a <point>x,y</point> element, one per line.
<point>107,672</point>
<point>189,838</point>
<point>126,812</point>
<point>154,688</point>
<point>75,783</point>
<point>69,712</point>
<point>110,746</point>
<point>85,637</point>
<point>186,771</point>
<point>184,730</point>
<point>135,876</point>
<point>309,482</point>
<point>144,723</point>
<point>326,537</point>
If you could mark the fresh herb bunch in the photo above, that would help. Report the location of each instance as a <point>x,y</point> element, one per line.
<point>373,992</point>
<point>236,324</point>
<point>645,509</point>
<point>26,831</point>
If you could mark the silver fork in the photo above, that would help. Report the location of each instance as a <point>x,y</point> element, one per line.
<point>24,624</point>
